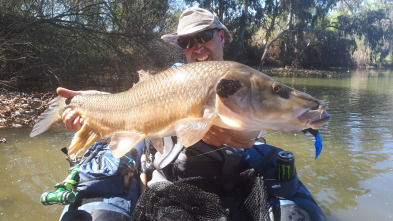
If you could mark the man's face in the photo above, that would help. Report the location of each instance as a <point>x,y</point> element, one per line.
<point>212,50</point>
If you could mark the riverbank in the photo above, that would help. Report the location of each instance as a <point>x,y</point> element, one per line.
<point>286,72</point>
<point>19,109</point>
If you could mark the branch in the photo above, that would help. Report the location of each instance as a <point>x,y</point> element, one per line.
<point>267,47</point>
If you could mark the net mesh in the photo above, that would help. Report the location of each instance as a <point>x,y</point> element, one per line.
<point>240,197</point>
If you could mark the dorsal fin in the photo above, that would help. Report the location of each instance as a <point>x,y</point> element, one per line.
<point>144,75</point>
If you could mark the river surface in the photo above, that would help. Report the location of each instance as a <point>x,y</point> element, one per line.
<point>351,180</point>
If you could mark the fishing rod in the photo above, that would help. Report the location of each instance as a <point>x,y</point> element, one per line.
<point>65,192</point>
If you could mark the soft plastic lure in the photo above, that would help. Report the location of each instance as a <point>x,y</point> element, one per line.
<point>318,141</point>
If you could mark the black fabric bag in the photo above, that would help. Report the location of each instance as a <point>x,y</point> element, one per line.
<point>240,197</point>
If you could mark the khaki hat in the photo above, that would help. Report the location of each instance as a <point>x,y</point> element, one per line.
<point>194,20</point>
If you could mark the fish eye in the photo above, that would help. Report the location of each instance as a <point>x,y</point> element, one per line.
<point>276,88</point>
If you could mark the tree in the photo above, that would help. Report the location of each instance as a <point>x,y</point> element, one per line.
<point>57,40</point>
<point>301,17</point>
<point>374,24</point>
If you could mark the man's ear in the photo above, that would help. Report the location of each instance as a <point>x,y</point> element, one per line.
<point>222,36</point>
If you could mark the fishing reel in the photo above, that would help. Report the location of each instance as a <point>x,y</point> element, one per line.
<point>65,192</point>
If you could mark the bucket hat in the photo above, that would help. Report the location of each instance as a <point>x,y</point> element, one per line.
<point>194,20</point>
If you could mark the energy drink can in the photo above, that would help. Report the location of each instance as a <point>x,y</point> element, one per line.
<point>285,166</point>
<point>61,196</point>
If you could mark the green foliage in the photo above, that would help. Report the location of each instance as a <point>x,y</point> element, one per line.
<point>329,50</point>
<point>374,24</point>
<point>388,59</point>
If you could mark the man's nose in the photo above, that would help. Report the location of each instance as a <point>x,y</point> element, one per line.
<point>197,46</point>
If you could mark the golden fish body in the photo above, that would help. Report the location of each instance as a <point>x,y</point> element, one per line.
<point>152,106</point>
<point>186,101</point>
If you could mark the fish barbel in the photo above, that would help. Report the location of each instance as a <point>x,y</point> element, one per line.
<point>186,101</point>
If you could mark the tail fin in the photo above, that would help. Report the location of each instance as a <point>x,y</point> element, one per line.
<point>49,117</point>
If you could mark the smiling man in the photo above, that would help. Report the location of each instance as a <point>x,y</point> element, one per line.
<point>201,36</point>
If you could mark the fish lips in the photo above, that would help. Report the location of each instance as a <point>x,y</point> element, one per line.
<point>314,118</point>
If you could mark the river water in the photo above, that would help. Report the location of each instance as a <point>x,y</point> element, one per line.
<point>351,180</point>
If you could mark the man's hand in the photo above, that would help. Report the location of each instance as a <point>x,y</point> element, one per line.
<point>70,118</point>
<point>217,136</point>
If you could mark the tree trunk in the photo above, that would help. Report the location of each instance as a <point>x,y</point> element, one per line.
<point>267,47</point>
<point>272,22</point>
<point>386,52</point>
<point>220,10</point>
<point>243,24</point>
<point>286,31</point>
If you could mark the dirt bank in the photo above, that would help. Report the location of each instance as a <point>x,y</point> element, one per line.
<point>286,72</point>
<point>21,109</point>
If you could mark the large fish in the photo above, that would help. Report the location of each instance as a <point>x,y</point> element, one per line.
<point>186,101</point>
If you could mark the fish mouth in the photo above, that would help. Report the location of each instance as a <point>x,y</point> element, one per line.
<point>314,118</point>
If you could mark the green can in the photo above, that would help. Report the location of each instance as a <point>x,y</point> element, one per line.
<point>61,196</point>
<point>285,166</point>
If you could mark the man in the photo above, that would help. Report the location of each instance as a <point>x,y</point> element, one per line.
<point>221,153</point>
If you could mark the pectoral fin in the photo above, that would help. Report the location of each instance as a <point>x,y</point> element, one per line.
<point>192,130</point>
<point>122,142</point>
<point>82,140</point>
<point>158,143</point>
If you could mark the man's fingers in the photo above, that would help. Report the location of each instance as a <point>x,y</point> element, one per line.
<point>216,137</point>
<point>77,123</point>
<point>63,92</point>
<point>65,113</point>
<point>211,140</point>
<point>219,129</point>
<point>243,139</point>
<point>245,143</point>
<point>222,135</point>
<point>71,120</point>
<point>81,121</point>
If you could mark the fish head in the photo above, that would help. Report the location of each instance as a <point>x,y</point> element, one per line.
<point>250,100</point>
